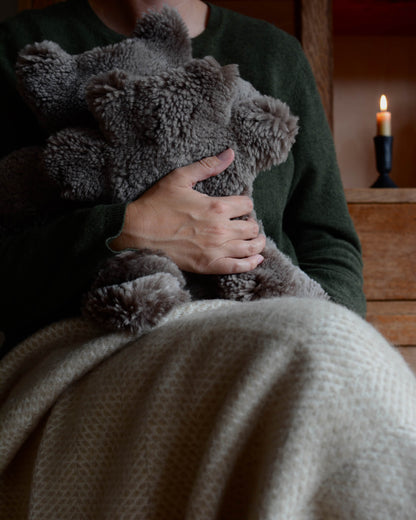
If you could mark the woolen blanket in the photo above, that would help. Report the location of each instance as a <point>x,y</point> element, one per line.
<point>288,408</point>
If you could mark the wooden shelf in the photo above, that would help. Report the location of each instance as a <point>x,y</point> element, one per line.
<point>395,320</point>
<point>385,220</point>
<point>381,195</point>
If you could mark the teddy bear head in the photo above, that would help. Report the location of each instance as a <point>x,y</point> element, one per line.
<point>152,124</point>
<point>167,120</point>
<point>52,81</point>
<point>188,103</point>
<point>148,126</point>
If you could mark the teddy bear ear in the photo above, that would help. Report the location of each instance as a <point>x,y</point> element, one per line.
<point>47,80</point>
<point>266,129</point>
<point>209,70</point>
<point>108,100</point>
<point>166,33</point>
<point>217,83</point>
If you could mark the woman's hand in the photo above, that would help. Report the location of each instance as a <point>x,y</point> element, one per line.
<point>196,231</point>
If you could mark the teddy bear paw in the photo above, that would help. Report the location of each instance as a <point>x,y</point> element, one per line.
<point>135,306</point>
<point>264,282</point>
<point>240,287</point>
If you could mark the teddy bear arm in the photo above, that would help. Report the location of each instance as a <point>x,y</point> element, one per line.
<point>275,276</point>
<point>75,160</point>
<point>47,80</point>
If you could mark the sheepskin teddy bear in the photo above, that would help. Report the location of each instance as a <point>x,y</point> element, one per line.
<point>53,84</point>
<point>147,107</point>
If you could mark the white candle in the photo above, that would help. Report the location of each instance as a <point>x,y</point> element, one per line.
<point>383,118</point>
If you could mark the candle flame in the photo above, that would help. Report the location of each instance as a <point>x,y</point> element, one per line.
<point>383,103</point>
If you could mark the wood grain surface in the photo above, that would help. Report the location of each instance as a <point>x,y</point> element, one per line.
<point>385,220</point>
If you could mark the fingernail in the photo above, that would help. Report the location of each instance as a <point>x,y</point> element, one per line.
<point>225,155</point>
<point>259,259</point>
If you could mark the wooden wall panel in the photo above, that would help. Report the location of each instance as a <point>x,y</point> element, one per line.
<point>312,24</point>
<point>314,30</point>
<point>375,17</point>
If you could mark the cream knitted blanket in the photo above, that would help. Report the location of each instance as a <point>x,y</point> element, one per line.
<point>288,409</point>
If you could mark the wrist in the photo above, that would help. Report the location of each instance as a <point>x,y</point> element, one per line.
<point>122,240</point>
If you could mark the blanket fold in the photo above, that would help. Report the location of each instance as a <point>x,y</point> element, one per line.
<point>300,412</point>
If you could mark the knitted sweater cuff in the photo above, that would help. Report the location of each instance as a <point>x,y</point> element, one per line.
<point>114,222</point>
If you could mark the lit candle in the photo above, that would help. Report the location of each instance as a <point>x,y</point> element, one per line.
<point>383,118</point>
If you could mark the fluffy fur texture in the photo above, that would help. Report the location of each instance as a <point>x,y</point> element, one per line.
<point>144,107</point>
<point>53,82</point>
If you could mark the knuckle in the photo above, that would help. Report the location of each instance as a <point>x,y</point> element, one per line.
<point>218,206</point>
<point>255,228</point>
<point>249,203</point>
<point>209,163</point>
<point>252,249</point>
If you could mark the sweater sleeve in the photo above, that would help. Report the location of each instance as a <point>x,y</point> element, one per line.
<point>316,217</point>
<point>46,268</point>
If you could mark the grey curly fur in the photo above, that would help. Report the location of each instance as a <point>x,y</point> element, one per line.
<point>142,108</point>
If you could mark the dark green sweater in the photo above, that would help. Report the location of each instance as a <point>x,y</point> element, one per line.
<point>45,270</point>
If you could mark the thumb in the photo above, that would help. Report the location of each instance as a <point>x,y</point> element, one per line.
<point>205,168</point>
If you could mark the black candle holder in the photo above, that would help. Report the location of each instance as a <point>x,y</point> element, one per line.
<point>384,151</point>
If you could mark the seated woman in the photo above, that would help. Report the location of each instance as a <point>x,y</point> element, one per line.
<point>287,407</point>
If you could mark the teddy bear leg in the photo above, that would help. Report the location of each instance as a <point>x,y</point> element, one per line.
<point>275,276</point>
<point>278,276</point>
<point>239,287</point>
<point>134,290</point>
